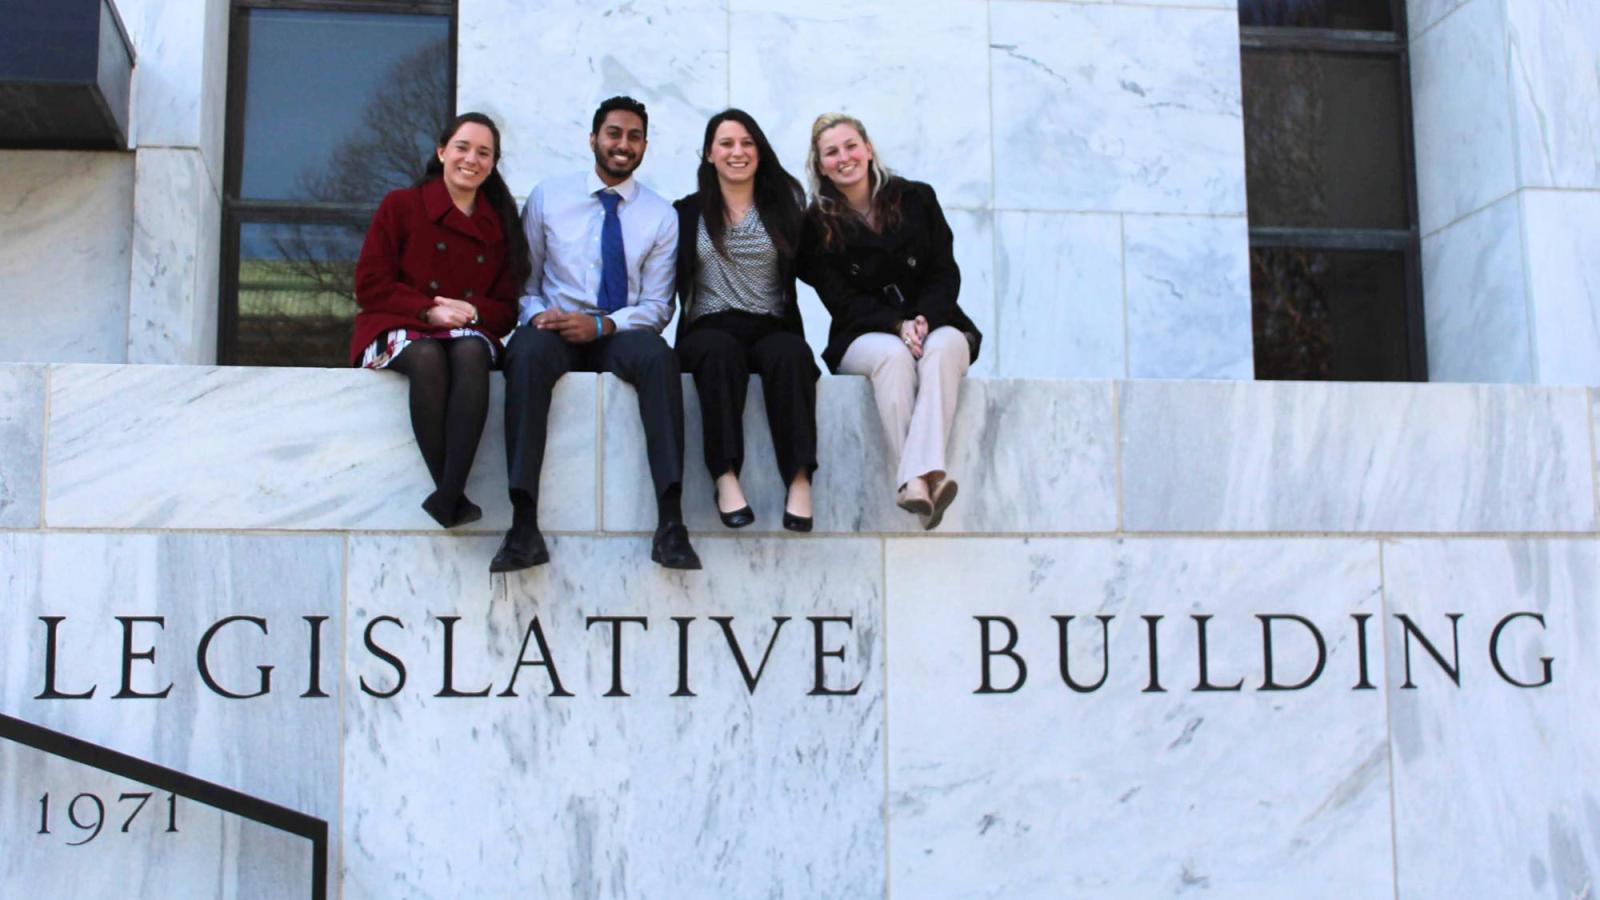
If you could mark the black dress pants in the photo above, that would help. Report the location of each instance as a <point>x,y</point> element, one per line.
<point>536,359</point>
<point>721,350</point>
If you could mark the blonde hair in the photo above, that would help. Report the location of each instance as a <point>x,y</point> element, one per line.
<point>826,199</point>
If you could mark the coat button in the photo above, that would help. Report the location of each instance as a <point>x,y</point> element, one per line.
<point>433,285</point>
<point>439,246</point>
<point>911,261</point>
<point>480,259</point>
<point>855,269</point>
<point>467,295</point>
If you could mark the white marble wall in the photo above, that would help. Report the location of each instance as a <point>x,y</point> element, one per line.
<point>195,494</point>
<point>22,393</point>
<point>64,255</point>
<point>1507,116</point>
<point>1138,115</point>
<point>178,97</point>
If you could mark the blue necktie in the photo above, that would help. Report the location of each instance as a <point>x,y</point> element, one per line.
<point>613,260</point>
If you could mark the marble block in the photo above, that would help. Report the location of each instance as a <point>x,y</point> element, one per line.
<point>1555,54</point>
<point>1496,786</point>
<point>1188,297</point>
<point>172,300</point>
<point>1465,143</point>
<point>64,251</point>
<point>22,391</point>
<point>1115,108</point>
<point>1118,791</point>
<point>541,69</point>
<point>1030,456</point>
<point>170,40</point>
<point>1422,15</point>
<point>1060,309</point>
<point>924,98</point>
<point>210,854</point>
<point>280,746</point>
<point>974,251</point>
<point>346,460</point>
<point>731,792</point>
<point>1564,283</point>
<point>1473,279</point>
<point>1305,457</point>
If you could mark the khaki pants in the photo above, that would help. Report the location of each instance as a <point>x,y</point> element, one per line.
<point>916,398</point>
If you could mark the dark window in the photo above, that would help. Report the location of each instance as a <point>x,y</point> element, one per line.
<point>1334,250</point>
<point>331,104</point>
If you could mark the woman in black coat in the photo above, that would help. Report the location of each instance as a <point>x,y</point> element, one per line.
<point>879,253</point>
<point>738,240</point>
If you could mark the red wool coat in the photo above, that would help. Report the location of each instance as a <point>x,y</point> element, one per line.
<point>419,247</point>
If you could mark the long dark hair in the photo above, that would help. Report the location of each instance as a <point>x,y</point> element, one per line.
<point>778,194</point>
<point>518,258</point>
<point>829,206</point>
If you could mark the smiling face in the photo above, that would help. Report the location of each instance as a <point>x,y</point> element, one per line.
<point>468,157</point>
<point>733,153</point>
<point>844,157</point>
<point>618,145</point>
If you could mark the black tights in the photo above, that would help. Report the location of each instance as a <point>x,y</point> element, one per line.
<point>449,400</point>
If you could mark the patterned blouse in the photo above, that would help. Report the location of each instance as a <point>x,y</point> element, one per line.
<point>745,280</point>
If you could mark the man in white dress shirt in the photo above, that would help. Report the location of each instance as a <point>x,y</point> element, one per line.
<point>603,248</point>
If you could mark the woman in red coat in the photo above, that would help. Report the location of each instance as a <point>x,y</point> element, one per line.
<point>437,282</point>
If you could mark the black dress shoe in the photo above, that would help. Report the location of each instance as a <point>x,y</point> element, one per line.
<point>739,518</point>
<point>522,549</point>
<point>670,547</point>
<point>467,512</point>
<point>792,522</point>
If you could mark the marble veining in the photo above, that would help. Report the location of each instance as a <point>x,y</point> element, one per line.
<point>1508,773</point>
<point>733,792</point>
<point>1188,297</point>
<point>70,210</point>
<point>1116,108</point>
<point>1555,58</point>
<point>1307,457</point>
<point>1461,116</point>
<point>1029,456</point>
<point>541,69</point>
<point>1060,309</point>
<point>1477,304</point>
<point>924,97</point>
<point>21,444</point>
<point>1564,280</point>
<point>168,299</point>
<point>349,461</point>
<point>1119,792</point>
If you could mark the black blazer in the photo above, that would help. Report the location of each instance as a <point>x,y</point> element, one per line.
<point>874,281</point>
<point>689,262</point>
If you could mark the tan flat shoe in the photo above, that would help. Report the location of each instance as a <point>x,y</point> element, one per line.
<point>913,498</point>
<point>944,493</point>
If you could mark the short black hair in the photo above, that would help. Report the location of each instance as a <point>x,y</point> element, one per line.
<point>624,103</point>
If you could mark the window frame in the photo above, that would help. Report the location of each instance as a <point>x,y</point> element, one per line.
<point>238,212</point>
<point>1405,241</point>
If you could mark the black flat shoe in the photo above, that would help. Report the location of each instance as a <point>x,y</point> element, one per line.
<point>520,550</point>
<point>739,518</point>
<point>792,522</point>
<point>451,513</point>
<point>467,512</point>
<point>670,547</point>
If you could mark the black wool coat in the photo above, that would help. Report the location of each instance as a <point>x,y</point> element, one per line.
<point>872,282</point>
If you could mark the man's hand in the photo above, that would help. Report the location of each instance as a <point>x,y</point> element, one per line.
<point>572,327</point>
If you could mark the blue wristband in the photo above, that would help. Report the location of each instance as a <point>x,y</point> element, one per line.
<point>599,326</point>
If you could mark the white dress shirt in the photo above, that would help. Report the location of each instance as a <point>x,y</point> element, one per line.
<point>563,218</point>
